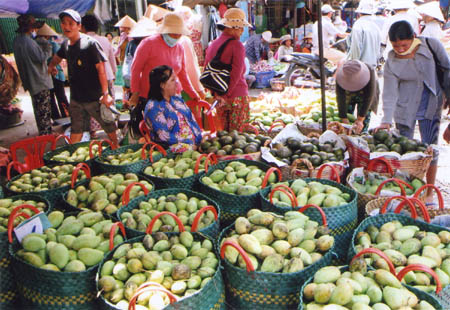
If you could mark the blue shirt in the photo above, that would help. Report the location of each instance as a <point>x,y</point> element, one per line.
<point>254,47</point>
<point>60,75</point>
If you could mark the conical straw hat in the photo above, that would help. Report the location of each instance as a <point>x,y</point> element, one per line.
<point>46,30</point>
<point>126,21</point>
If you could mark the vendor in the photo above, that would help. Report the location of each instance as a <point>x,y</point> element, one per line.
<point>170,121</point>
<point>257,46</point>
<point>433,20</point>
<point>285,47</point>
<point>356,86</point>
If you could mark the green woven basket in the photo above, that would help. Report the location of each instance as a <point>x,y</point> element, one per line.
<point>233,206</point>
<point>210,297</point>
<point>71,148</point>
<point>265,290</point>
<point>342,220</point>
<point>212,231</point>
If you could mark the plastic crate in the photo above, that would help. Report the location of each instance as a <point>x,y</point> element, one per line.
<point>263,79</point>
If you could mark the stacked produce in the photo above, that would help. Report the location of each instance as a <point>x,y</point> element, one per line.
<point>7,205</point>
<point>406,245</point>
<point>72,244</point>
<point>104,192</point>
<point>80,154</point>
<point>45,178</point>
<point>370,184</point>
<point>181,166</point>
<point>267,118</point>
<point>181,264</point>
<point>278,243</point>
<point>332,115</point>
<point>129,156</point>
<point>384,141</point>
<point>261,66</point>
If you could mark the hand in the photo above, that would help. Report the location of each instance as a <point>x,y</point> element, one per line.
<point>345,121</point>
<point>52,70</point>
<point>222,100</point>
<point>202,95</point>
<point>383,126</point>
<point>106,100</point>
<point>447,134</point>
<point>358,126</point>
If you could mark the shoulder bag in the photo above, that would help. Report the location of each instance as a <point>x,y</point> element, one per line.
<point>439,69</point>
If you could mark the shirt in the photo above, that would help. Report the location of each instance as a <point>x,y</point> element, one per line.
<point>284,50</point>
<point>31,61</point>
<point>433,29</point>
<point>60,75</point>
<point>254,48</point>
<point>108,50</point>
<point>329,33</point>
<point>153,52</point>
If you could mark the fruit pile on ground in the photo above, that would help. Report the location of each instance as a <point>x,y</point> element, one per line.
<point>182,166</point>
<point>315,116</point>
<point>384,141</point>
<point>266,118</point>
<point>7,205</point>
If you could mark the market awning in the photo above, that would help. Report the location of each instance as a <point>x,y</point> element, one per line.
<point>44,8</point>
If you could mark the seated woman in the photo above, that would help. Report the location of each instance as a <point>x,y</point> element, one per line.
<point>170,121</point>
<point>285,47</point>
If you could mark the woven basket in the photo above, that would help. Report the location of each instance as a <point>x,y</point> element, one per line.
<point>210,297</point>
<point>294,172</point>
<point>342,220</point>
<point>233,206</point>
<point>212,231</point>
<point>251,290</point>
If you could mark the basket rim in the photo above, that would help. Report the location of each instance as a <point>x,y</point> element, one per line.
<point>48,155</point>
<point>119,150</point>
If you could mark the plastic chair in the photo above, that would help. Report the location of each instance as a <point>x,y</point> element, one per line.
<point>145,132</point>
<point>204,108</point>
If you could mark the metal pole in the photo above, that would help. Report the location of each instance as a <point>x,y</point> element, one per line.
<point>322,71</point>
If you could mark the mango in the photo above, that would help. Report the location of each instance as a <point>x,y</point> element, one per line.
<point>384,277</point>
<point>322,293</point>
<point>90,257</point>
<point>59,255</point>
<point>33,259</point>
<point>272,263</point>
<point>342,294</point>
<point>33,243</point>
<point>250,244</point>
<point>327,274</point>
<point>394,297</point>
<point>242,225</point>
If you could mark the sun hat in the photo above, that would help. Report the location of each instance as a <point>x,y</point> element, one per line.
<point>234,18</point>
<point>156,13</point>
<point>327,9</point>
<point>267,35</point>
<point>144,27</point>
<point>185,12</point>
<point>402,4</point>
<point>366,7</point>
<point>309,35</point>
<point>285,38</point>
<point>27,21</point>
<point>173,23</point>
<point>125,21</point>
<point>431,9</point>
<point>72,14</point>
<point>46,30</point>
<point>352,75</point>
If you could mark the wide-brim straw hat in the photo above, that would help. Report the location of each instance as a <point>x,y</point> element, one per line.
<point>173,23</point>
<point>126,21</point>
<point>366,7</point>
<point>46,30</point>
<point>285,38</point>
<point>156,13</point>
<point>431,9</point>
<point>234,18</point>
<point>144,27</point>
<point>401,4</point>
<point>352,75</point>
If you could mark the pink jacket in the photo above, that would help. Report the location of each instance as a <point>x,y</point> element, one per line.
<point>153,52</point>
<point>235,54</point>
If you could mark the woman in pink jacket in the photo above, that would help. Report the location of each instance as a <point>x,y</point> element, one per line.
<point>233,109</point>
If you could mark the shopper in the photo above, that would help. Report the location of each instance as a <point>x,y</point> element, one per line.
<point>257,46</point>
<point>87,76</point>
<point>412,91</point>
<point>125,25</point>
<point>285,47</point>
<point>233,109</point>
<point>433,20</point>
<point>31,60</point>
<point>109,36</point>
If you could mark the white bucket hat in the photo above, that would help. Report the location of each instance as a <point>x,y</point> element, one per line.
<point>267,35</point>
<point>327,9</point>
<point>173,23</point>
<point>431,9</point>
<point>366,7</point>
<point>402,4</point>
<point>352,75</point>
<point>285,38</point>
<point>46,30</point>
<point>144,27</point>
<point>126,21</point>
<point>234,18</point>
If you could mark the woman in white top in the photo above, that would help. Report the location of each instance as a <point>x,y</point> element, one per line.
<point>285,47</point>
<point>433,20</point>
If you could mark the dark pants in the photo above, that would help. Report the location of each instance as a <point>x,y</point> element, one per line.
<point>60,105</point>
<point>42,111</point>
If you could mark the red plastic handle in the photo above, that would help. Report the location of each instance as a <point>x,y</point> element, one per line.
<point>112,232</point>
<point>380,160</point>
<point>199,214</point>
<point>276,123</point>
<point>61,137</point>
<point>241,251</point>
<point>438,192</point>
<point>149,229</point>
<point>19,167</point>
<point>415,201</point>
<point>14,214</point>
<point>411,206</point>
<point>144,148</point>
<point>322,214</point>
<point>85,168</point>
<point>197,163</point>
<point>132,305</point>
<point>286,190</point>
<point>379,253</point>
<point>100,146</point>
<point>399,183</point>
<point>333,169</point>
<point>159,147</point>
<point>268,173</point>
<point>248,126</point>
<point>420,267</point>
<point>126,192</point>
<point>211,158</point>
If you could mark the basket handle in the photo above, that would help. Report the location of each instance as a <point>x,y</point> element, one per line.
<point>14,214</point>
<point>334,171</point>
<point>149,229</point>
<point>241,251</point>
<point>379,253</point>
<point>144,147</point>
<point>58,137</point>
<point>100,146</point>
<point>420,267</point>
<point>76,170</point>
<point>132,305</point>
<point>286,190</point>
<point>411,206</point>
<point>211,157</point>
<point>438,192</point>
<point>268,173</point>
<point>276,123</point>
<point>199,214</point>
<point>17,165</point>
<point>399,182</point>
<point>159,147</point>
<point>415,201</point>
<point>126,192</point>
<point>304,161</point>
<point>380,160</point>
<point>112,232</point>
<point>248,126</point>
<point>322,214</point>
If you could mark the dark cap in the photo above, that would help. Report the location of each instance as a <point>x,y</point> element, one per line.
<point>72,14</point>
<point>27,22</point>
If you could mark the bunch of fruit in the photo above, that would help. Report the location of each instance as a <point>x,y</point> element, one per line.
<point>104,192</point>
<point>332,115</point>
<point>316,193</point>
<point>7,205</point>
<point>45,178</point>
<point>184,207</point>
<point>267,118</point>
<point>72,244</point>
<point>181,264</point>
<point>370,184</point>
<point>384,141</point>
<point>406,245</point>
<point>125,158</point>
<point>79,155</point>
<point>317,153</point>
<point>233,143</point>
<point>238,179</point>
<point>182,166</point>
<point>282,244</point>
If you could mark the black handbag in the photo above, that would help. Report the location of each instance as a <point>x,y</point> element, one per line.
<point>136,116</point>
<point>216,76</point>
<point>439,69</point>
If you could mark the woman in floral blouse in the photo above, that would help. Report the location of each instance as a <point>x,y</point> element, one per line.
<point>170,121</point>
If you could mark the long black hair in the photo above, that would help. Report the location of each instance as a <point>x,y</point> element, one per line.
<point>401,30</point>
<point>157,76</point>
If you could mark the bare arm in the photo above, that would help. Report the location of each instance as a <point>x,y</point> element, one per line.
<point>52,65</point>
<point>105,99</point>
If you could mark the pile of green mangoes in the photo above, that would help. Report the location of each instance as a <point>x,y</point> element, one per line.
<point>7,205</point>
<point>45,178</point>
<point>238,179</point>
<point>274,243</point>
<point>104,192</point>
<point>317,153</point>
<point>184,207</point>
<point>233,143</point>
<point>384,141</point>
<point>181,264</point>
<point>370,184</point>
<point>332,115</point>
<point>72,244</point>
<point>357,290</point>
<point>79,155</point>
<point>182,166</point>
<point>316,193</point>
<point>406,245</point>
<point>128,157</point>
<point>267,118</point>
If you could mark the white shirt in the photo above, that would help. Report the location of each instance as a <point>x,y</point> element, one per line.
<point>284,50</point>
<point>365,41</point>
<point>329,33</point>
<point>433,30</point>
<point>108,50</point>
